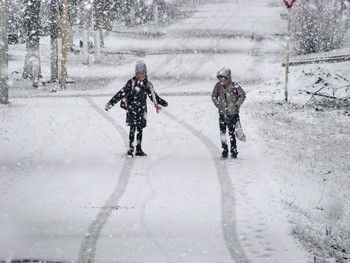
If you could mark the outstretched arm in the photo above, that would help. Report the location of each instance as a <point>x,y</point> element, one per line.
<point>126,90</point>
<point>155,98</point>
<point>159,100</point>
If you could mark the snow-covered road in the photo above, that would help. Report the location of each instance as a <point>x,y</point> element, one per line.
<point>69,193</point>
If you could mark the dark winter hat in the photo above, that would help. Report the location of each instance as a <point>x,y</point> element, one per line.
<point>140,67</point>
<point>224,72</point>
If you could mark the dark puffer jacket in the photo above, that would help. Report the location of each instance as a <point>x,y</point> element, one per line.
<point>135,93</point>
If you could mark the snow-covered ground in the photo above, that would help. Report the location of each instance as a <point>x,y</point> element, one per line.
<point>68,193</point>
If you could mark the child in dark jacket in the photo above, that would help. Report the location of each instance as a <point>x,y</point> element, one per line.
<point>134,101</point>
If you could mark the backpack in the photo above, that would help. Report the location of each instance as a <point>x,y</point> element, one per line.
<point>124,101</point>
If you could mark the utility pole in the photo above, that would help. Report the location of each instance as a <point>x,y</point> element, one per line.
<point>64,44</point>
<point>287,58</point>
<point>289,8</point>
<point>3,52</point>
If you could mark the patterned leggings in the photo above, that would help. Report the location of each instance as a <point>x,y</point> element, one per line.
<point>228,122</point>
<point>132,136</point>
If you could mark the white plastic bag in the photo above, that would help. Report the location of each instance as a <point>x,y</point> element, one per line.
<point>239,132</point>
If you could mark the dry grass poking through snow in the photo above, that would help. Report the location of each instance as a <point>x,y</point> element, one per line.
<point>312,149</point>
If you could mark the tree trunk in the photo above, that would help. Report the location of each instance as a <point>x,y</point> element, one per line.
<point>87,21</point>
<point>32,30</point>
<point>54,33</point>
<point>102,38</point>
<point>70,37</point>
<point>97,45</point>
<point>3,52</point>
<point>155,12</point>
<point>97,30</point>
<point>132,13</point>
<point>72,13</point>
<point>64,44</point>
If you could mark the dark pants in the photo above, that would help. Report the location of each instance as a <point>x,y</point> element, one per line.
<point>228,122</point>
<point>132,137</point>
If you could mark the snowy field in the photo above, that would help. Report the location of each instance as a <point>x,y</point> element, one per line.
<point>68,194</point>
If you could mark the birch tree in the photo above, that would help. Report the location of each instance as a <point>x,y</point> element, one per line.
<point>86,32</point>
<point>64,44</point>
<point>3,52</point>
<point>54,34</point>
<point>32,33</point>
<point>97,29</point>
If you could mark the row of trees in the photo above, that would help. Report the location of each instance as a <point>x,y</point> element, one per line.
<point>131,12</point>
<point>318,25</point>
<point>28,20</point>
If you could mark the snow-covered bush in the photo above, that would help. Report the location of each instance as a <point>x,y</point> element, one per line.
<point>319,25</point>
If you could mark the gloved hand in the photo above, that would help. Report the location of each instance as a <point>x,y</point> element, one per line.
<point>158,108</point>
<point>108,106</point>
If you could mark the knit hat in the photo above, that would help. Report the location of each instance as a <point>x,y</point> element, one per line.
<point>140,67</point>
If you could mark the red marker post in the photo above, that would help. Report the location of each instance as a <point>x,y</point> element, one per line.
<point>289,7</point>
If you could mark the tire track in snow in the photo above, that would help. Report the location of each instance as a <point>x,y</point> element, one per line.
<point>89,243</point>
<point>153,194</point>
<point>228,200</point>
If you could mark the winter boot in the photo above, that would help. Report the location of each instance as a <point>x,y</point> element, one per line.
<point>130,151</point>
<point>224,153</point>
<point>234,153</point>
<point>139,151</point>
